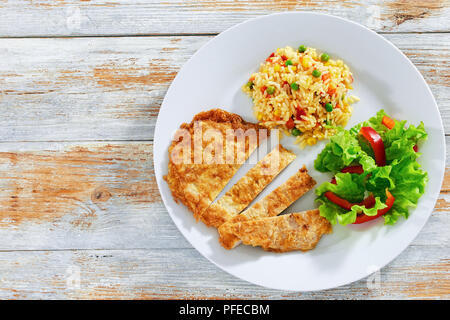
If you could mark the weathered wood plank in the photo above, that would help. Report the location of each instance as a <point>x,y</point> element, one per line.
<point>112,88</point>
<point>86,89</point>
<point>183,273</point>
<point>104,196</point>
<point>83,195</point>
<point>67,196</point>
<point>135,17</point>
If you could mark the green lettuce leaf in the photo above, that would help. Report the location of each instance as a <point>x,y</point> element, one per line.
<point>402,175</point>
<point>410,182</point>
<point>343,150</point>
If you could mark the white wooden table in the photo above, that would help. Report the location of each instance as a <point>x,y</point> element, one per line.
<point>81,83</point>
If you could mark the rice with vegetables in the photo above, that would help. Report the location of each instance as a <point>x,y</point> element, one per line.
<point>303,93</point>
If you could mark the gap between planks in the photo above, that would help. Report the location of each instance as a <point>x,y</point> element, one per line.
<point>154,35</point>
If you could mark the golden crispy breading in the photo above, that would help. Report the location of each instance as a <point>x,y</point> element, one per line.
<point>288,232</point>
<point>272,205</point>
<point>248,187</point>
<point>197,183</point>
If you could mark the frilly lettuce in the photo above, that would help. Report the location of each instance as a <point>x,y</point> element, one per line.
<point>402,175</point>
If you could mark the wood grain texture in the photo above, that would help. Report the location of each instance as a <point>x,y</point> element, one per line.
<point>184,274</point>
<point>112,88</point>
<point>86,88</point>
<point>81,195</point>
<point>76,165</point>
<point>38,18</point>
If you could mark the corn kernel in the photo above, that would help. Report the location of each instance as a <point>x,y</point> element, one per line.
<point>259,116</point>
<point>306,62</point>
<point>276,68</point>
<point>294,68</point>
<point>311,141</point>
<point>277,112</point>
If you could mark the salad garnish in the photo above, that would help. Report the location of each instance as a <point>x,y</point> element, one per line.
<point>376,171</point>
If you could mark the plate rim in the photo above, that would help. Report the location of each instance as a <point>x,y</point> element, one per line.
<point>299,13</point>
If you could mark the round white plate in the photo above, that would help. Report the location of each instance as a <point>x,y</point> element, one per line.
<point>384,78</point>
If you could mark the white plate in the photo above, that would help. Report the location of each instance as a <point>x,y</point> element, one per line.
<point>384,78</point>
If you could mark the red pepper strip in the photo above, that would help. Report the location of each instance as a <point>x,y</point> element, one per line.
<point>388,122</point>
<point>300,112</point>
<point>416,148</point>
<point>353,169</point>
<point>368,202</point>
<point>377,144</point>
<point>290,123</point>
<point>339,201</point>
<point>271,56</point>
<point>361,218</point>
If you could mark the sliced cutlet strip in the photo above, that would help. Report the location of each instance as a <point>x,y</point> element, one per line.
<point>287,232</point>
<point>248,187</point>
<point>196,185</point>
<point>273,204</point>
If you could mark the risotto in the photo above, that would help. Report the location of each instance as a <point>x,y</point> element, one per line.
<point>302,93</point>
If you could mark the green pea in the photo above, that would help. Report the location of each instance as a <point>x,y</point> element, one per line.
<point>270,90</point>
<point>328,107</point>
<point>324,57</point>
<point>316,73</point>
<point>288,63</point>
<point>250,84</point>
<point>295,132</point>
<point>327,122</point>
<point>302,48</point>
<point>294,86</point>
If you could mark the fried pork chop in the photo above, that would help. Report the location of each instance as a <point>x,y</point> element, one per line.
<point>248,187</point>
<point>196,181</point>
<point>287,232</point>
<point>272,205</point>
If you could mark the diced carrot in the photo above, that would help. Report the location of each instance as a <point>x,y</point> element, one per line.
<point>388,122</point>
<point>326,76</point>
<point>290,123</point>
<point>263,88</point>
<point>331,90</point>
